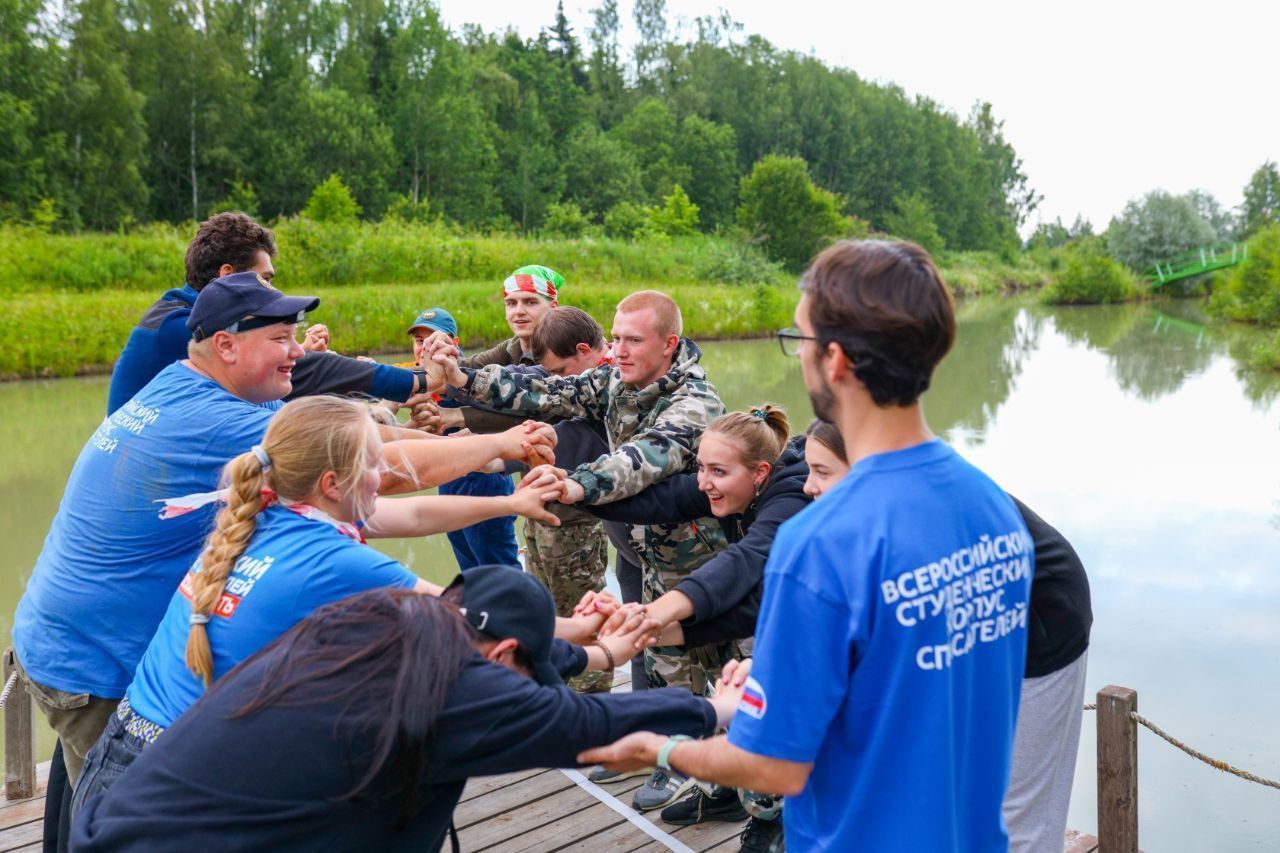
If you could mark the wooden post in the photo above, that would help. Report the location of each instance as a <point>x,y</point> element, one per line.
<point>19,737</point>
<point>1117,770</point>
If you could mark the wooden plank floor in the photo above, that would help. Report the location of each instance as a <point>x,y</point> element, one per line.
<point>534,811</point>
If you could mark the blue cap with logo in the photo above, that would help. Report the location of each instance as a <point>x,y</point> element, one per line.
<point>243,301</point>
<point>437,320</point>
<point>502,602</point>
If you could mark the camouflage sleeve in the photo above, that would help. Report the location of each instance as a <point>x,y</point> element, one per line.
<point>562,396</point>
<point>667,447</point>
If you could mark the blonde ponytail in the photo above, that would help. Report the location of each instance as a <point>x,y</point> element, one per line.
<point>760,433</point>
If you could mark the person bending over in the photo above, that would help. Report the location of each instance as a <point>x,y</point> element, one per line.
<point>359,728</point>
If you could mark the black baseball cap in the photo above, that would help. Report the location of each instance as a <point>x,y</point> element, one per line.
<point>243,301</point>
<point>503,601</point>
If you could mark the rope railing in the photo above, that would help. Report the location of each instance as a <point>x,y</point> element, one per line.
<point>8,688</point>
<point>1216,763</point>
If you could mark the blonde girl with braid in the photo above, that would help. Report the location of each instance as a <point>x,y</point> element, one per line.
<point>290,539</point>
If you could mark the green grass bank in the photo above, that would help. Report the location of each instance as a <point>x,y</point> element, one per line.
<point>71,300</point>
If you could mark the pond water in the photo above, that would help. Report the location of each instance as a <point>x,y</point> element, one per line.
<point>1136,430</point>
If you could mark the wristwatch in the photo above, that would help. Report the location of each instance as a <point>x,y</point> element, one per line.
<point>664,752</point>
<point>420,380</point>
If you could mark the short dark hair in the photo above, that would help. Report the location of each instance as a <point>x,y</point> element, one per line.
<point>226,238</point>
<point>886,306</point>
<point>560,331</point>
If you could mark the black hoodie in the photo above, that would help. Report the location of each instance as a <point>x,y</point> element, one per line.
<point>726,590</point>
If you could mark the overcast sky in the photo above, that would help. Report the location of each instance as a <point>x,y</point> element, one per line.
<point>1104,101</point>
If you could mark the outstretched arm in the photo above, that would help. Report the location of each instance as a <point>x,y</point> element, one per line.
<point>424,515</point>
<point>415,465</point>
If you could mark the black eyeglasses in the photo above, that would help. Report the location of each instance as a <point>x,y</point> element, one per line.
<point>789,339</point>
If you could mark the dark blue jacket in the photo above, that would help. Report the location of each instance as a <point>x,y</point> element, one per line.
<point>274,780</point>
<point>727,589</point>
<point>161,338</point>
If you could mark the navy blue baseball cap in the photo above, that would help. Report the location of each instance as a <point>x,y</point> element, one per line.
<point>243,301</point>
<point>437,320</point>
<point>502,602</point>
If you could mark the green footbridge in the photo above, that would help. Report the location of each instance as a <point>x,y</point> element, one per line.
<point>1197,262</point>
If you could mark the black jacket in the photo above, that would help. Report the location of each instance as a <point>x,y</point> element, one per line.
<point>274,780</point>
<point>726,590</point>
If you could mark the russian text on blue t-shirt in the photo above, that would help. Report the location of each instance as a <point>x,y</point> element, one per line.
<point>889,654</point>
<point>291,566</point>
<point>109,564</point>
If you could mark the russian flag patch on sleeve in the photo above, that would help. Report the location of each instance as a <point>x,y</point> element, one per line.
<point>752,702</point>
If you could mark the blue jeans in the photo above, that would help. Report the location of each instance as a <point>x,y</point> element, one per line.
<point>492,541</point>
<point>115,750</point>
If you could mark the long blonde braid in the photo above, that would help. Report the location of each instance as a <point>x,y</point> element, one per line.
<point>305,439</point>
<point>233,529</point>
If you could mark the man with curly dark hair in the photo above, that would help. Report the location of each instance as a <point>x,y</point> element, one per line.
<point>229,243</point>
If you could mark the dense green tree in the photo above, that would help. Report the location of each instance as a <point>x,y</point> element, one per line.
<point>782,208</point>
<point>530,174</point>
<point>29,62</point>
<point>442,131</point>
<point>649,133</point>
<point>914,221</point>
<point>608,82</point>
<point>1011,197</point>
<point>600,172</point>
<point>651,26</point>
<point>101,116</point>
<point>120,109</point>
<point>1261,199</point>
<point>1156,227</point>
<point>707,151</point>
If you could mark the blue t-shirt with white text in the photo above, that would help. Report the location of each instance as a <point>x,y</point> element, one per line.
<point>889,654</point>
<point>109,564</point>
<point>291,566</point>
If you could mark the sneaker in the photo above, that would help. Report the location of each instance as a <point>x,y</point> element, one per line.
<point>702,807</point>
<point>662,788</point>
<point>762,836</point>
<point>602,776</point>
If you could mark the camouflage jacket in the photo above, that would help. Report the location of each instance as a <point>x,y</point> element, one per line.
<point>653,431</point>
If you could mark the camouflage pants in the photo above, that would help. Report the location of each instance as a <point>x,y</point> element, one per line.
<point>570,561</point>
<point>669,553</point>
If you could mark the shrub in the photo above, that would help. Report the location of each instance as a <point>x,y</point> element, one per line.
<point>1091,277</point>
<point>564,220</point>
<point>332,202</point>
<point>626,221</point>
<point>733,262</point>
<point>1250,291</point>
<point>405,209</point>
<point>782,208</point>
<point>678,216</point>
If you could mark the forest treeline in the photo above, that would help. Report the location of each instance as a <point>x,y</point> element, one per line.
<point>121,111</point>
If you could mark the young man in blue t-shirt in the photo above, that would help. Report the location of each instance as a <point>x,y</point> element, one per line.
<point>892,636</point>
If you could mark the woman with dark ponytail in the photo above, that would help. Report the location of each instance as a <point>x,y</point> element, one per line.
<point>359,728</point>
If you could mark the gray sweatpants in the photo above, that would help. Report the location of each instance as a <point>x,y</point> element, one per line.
<point>1044,759</point>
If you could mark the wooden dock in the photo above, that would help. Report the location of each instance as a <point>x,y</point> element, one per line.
<point>535,811</point>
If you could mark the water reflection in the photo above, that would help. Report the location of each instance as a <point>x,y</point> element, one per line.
<point>993,341</point>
